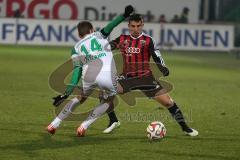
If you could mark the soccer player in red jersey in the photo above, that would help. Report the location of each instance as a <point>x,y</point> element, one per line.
<point>137,48</point>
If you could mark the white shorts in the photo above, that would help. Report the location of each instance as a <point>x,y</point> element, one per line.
<point>104,80</point>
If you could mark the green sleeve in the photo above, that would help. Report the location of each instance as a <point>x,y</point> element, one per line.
<point>110,26</point>
<point>76,75</point>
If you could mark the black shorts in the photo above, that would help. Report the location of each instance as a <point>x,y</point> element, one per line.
<point>147,84</point>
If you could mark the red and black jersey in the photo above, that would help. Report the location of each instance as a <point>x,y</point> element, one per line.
<point>136,53</point>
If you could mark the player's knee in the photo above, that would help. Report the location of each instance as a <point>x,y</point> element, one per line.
<point>119,89</point>
<point>167,104</point>
<point>109,99</point>
<point>101,99</point>
<point>110,108</point>
<point>166,101</point>
<point>110,102</point>
<point>81,99</point>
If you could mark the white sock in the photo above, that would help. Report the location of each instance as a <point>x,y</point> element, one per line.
<point>98,111</point>
<point>56,122</point>
<point>66,111</point>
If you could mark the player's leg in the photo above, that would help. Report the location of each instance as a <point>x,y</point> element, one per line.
<point>97,112</point>
<point>87,89</point>
<point>113,120</point>
<point>176,113</point>
<point>108,85</point>
<point>159,93</point>
<point>65,112</point>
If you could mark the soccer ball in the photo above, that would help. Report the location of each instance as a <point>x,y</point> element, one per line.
<point>156,130</point>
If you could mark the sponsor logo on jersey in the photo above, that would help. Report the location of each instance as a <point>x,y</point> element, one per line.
<point>90,58</point>
<point>132,50</point>
<point>143,42</point>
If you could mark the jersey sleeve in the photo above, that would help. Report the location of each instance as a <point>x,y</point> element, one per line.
<point>110,26</point>
<point>76,74</point>
<point>115,43</point>
<point>157,57</point>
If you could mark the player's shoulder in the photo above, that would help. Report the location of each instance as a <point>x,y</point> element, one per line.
<point>148,36</point>
<point>74,51</point>
<point>82,41</point>
<point>98,34</point>
<point>76,47</point>
<point>124,35</point>
<point>151,39</point>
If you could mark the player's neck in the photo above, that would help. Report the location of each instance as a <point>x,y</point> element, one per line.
<point>86,35</point>
<point>137,36</point>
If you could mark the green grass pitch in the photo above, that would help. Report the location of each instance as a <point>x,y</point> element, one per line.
<point>206,86</point>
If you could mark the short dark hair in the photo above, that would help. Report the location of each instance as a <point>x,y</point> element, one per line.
<point>84,27</point>
<point>135,17</point>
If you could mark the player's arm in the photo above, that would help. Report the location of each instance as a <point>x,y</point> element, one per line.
<point>76,75</point>
<point>115,43</point>
<point>116,21</point>
<point>157,57</point>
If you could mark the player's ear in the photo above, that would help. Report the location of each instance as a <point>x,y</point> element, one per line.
<point>91,30</point>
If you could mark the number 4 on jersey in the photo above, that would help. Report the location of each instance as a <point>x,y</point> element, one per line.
<point>95,46</point>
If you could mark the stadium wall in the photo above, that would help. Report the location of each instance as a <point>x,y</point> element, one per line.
<point>169,36</point>
<point>103,10</point>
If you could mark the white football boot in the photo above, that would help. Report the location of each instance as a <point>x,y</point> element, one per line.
<point>192,133</point>
<point>112,127</point>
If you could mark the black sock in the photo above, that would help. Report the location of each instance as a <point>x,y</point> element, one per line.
<point>178,116</point>
<point>112,117</point>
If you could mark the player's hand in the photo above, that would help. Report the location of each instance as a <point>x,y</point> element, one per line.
<point>59,99</point>
<point>128,10</point>
<point>165,71</point>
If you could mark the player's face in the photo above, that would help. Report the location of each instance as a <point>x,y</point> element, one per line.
<point>135,28</point>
